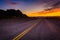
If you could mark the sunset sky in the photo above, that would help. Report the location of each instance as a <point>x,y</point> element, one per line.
<point>28,6</point>
<point>55,12</point>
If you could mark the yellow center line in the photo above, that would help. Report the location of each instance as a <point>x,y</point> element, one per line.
<point>24,23</point>
<point>26,31</point>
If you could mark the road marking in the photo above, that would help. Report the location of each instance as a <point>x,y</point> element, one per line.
<point>51,26</point>
<point>26,31</point>
<point>24,23</point>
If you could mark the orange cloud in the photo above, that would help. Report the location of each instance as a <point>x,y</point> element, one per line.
<point>46,13</point>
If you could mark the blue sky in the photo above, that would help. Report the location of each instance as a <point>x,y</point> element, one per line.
<point>27,6</point>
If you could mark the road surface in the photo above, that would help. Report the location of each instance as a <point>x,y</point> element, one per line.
<point>35,29</point>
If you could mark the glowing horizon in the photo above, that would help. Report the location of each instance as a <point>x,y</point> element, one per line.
<point>27,6</point>
<point>47,13</point>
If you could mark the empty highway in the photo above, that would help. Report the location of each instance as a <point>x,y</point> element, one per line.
<point>34,29</point>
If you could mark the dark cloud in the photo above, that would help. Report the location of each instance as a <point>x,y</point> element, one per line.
<point>56,4</point>
<point>13,3</point>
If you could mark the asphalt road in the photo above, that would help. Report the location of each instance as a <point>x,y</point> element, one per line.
<point>37,29</point>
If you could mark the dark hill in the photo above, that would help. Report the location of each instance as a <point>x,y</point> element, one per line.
<point>11,13</point>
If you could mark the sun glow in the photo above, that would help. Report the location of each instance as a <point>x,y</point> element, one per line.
<point>46,13</point>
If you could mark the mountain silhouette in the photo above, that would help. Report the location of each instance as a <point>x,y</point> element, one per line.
<point>11,13</point>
